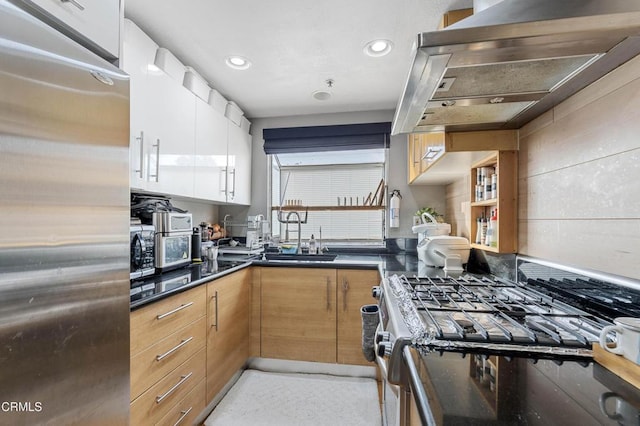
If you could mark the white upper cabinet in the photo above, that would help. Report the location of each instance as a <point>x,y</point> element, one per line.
<point>211,153</point>
<point>172,111</point>
<point>162,117</point>
<point>238,165</point>
<point>138,54</point>
<point>94,23</point>
<point>180,144</point>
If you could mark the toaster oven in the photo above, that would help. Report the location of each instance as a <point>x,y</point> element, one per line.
<point>142,240</point>
<point>173,239</point>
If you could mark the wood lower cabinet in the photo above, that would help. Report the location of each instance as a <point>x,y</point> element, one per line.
<point>168,356</point>
<point>311,314</point>
<point>186,411</point>
<point>298,314</point>
<point>354,291</point>
<point>228,322</point>
<point>158,320</point>
<point>159,400</point>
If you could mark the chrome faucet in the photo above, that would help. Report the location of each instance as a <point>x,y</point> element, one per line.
<point>299,232</point>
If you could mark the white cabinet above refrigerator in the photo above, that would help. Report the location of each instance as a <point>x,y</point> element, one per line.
<point>94,24</point>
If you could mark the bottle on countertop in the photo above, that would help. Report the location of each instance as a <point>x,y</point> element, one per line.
<point>313,248</point>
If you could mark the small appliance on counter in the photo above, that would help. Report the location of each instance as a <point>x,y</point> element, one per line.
<point>437,248</point>
<point>173,239</point>
<point>142,246</point>
<point>444,251</point>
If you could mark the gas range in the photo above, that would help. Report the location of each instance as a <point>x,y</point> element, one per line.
<point>485,327</point>
<point>492,316</point>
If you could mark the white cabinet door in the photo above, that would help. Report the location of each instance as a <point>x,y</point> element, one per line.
<point>138,51</point>
<point>238,165</point>
<point>211,153</point>
<point>97,21</point>
<point>172,159</point>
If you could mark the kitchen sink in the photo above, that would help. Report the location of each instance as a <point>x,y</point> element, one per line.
<point>301,257</point>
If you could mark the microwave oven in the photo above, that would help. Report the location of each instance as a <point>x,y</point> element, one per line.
<point>142,240</point>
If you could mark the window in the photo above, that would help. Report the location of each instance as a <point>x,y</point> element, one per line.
<point>334,186</point>
<point>326,173</point>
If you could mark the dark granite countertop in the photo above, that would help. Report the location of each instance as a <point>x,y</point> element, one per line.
<point>500,391</point>
<point>157,287</point>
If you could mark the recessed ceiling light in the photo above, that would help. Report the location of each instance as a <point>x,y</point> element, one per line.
<point>378,48</point>
<point>237,62</point>
<point>321,95</point>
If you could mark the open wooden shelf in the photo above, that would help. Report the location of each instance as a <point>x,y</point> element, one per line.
<point>506,165</point>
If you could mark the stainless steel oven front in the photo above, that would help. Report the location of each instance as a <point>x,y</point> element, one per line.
<point>391,343</point>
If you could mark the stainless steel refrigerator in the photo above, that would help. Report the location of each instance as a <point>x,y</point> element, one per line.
<point>64,229</point>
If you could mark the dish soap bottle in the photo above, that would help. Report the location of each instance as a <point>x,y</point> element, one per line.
<point>313,249</point>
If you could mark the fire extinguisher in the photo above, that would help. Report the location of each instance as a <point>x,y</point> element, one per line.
<point>394,209</point>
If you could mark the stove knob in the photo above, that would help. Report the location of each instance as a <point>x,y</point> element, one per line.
<point>376,292</point>
<point>382,336</point>
<point>385,348</point>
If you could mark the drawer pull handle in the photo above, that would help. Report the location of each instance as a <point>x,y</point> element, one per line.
<point>74,2</point>
<point>173,388</point>
<point>172,350</point>
<point>345,289</point>
<point>328,294</point>
<point>184,414</point>
<point>216,308</point>
<point>179,308</point>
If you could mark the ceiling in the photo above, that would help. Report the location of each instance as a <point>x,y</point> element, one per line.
<point>294,47</point>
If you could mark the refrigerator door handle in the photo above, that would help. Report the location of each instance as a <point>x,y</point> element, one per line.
<point>75,3</point>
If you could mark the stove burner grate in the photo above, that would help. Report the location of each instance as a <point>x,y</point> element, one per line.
<point>470,309</point>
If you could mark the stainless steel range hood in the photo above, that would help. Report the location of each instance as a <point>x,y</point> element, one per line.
<point>509,63</point>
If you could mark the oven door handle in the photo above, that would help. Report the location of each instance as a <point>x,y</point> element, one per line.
<point>417,389</point>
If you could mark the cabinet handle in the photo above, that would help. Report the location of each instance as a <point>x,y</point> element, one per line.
<point>141,139</point>
<point>157,147</point>
<point>215,296</point>
<point>183,379</point>
<point>345,289</point>
<point>184,413</point>
<point>172,350</point>
<point>328,294</point>
<point>416,149</point>
<point>224,173</point>
<point>233,191</point>
<point>74,2</point>
<point>173,311</point>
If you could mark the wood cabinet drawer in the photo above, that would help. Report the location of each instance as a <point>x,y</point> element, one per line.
<point>158,320</point>
<point>186,411</point>
<point>156,402</point>
<point>154,363</point>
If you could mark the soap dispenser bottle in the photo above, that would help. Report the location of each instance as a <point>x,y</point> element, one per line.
<point>313,249</point>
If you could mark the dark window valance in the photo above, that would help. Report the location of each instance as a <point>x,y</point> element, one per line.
<point>326,138</point>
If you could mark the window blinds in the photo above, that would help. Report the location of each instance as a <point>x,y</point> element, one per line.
<point>326,138</point>
<point>322,186</point>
